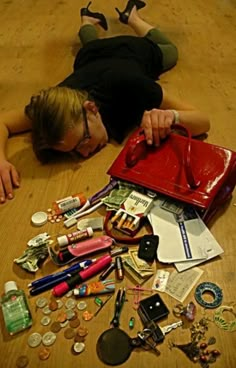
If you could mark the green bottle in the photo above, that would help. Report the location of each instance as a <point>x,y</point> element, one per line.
<point>16,313</point>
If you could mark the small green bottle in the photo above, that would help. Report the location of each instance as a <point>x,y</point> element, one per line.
<point>16,313</point>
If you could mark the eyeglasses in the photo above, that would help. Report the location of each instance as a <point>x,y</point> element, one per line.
<point>87,135</point>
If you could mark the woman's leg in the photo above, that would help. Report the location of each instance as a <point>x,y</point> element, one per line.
<point>88,31</point>
<point>143,29</point>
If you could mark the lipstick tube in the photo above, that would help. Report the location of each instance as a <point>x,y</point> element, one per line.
<point>83,275</point>
<point>119,268</point>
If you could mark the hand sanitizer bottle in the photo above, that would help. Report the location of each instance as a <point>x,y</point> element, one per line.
<point>16,313</point>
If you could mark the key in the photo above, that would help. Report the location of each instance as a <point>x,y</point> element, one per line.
<point>171,327</point>
<point>144,335</point>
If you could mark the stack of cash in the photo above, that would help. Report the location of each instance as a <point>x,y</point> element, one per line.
<point>138,269</point>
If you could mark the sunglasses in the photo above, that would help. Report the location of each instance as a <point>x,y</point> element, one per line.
<point>87,135</point>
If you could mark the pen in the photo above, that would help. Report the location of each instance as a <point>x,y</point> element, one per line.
<point>117,251</point>
<point>52,277</point>
<point>83,275</point>
<point>50,284</point>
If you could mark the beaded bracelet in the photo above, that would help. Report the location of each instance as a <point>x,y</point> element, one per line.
<point>220,320</point>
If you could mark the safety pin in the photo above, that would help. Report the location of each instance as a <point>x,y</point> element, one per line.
<point>137,294</point>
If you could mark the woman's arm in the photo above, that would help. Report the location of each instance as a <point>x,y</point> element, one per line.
<point>10,123</point>
<point>157,122</point>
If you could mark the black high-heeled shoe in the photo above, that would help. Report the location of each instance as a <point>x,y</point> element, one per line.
<point>100,16</point>
<point>124,16</point>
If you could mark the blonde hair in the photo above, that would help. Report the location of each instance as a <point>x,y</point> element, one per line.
<point>53,111</point>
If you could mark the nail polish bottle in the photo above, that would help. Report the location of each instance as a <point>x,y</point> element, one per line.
<point>16,313</point>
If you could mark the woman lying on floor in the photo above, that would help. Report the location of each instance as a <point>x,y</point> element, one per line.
<point>112,89</point>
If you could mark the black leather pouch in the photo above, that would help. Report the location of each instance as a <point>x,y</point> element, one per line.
<point>148,247</point>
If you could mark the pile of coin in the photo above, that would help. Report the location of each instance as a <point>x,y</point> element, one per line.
<point>65,316</point>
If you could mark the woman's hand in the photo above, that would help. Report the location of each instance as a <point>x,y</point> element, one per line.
<point>9,178</point>
<point>156,124</point>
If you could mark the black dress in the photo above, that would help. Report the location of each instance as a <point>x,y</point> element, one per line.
<point>119,73</point>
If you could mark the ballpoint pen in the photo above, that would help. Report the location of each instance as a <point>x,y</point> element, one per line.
<point>55,276</point>
<point>90,271</point>
<point>50,284</point>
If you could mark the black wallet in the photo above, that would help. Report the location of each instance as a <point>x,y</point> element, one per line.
<point>148,247</point>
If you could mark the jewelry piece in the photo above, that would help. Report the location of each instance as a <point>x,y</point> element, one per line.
<point>188,312</point>
<point>195,350</point>
<point>212,288</point>
<point>178,310</point>
<point>198,329</point>
<point>220,320</point>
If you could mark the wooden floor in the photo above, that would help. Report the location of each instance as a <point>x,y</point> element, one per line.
<point>38,42</point>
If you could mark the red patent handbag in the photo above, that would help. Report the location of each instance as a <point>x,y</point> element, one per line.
<point>186,169</point>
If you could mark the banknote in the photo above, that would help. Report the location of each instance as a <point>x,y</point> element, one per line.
<point>140,263</point>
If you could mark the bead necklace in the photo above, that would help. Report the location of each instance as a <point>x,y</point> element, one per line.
<point>220,320</point>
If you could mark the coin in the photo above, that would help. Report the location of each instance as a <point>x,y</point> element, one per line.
<point>74,315</point>
<point>79,347</point>
<point>41,302</point>
<point>70,314</point>
<point>34,340</point>
<point>69,293</point>
<point>45,321</point>
<point>69,333</point>
<point>44,353</point>
<point>53,305</point>
<point>82,331</point>
<point>74,323</point>
<point>22,361</point>
<point>55,327</point>
<point>49,338</point>
<point>87,316</point>
<point>70,303</point>
<point>47,310</point>
<point>61,317</point>
<point>79,338</point>
<point>82,305</point>
<point>59,304</point>
<point>64,324</point>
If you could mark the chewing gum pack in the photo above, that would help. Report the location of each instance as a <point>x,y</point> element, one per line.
<point>128,218</point>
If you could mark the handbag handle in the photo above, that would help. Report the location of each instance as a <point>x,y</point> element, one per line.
<point>138,147</point>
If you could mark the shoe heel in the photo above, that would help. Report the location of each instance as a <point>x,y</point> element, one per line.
<point>118,11</point>
<point>88,5</point>
<point>123,18</point>
<point>99,16</point>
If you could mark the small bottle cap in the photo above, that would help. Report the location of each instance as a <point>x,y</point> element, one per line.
<point>39,218</point>
<point>9,286</point>
<point>62,240</point>
<point>90,231</point>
